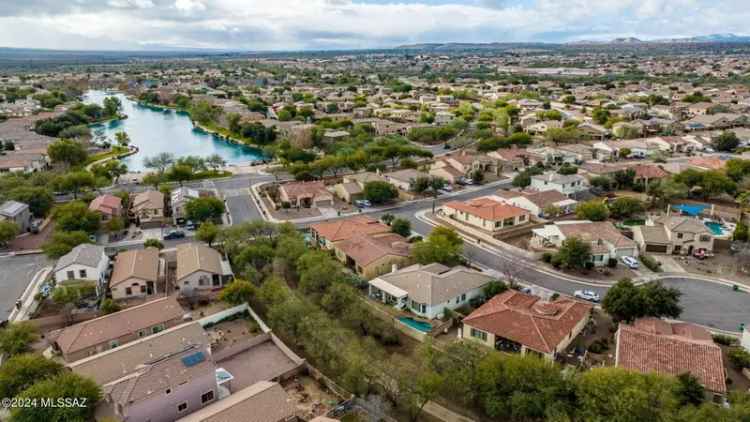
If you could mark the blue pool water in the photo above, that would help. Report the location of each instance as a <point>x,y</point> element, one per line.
<point>716,228</point>
<point>424,327</point>
<point>155,130</point>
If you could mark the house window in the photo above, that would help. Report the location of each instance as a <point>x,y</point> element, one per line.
<point>705,238</point>
<point>182,407</point>
<point>82,273</point>
<point>113,344</point>
<point>141,333</point>
<point>215,279</point>
<point>143,289</point>
<point>463,297</point>
<point>169,390</point>
<point>71,275</point>
<point>481,335</point>
<point>156,328</point>
<point>679,235</point>
<point>128,291</point>
<point>207,397</point>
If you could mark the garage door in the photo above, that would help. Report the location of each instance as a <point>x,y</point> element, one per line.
<point>656,248</point>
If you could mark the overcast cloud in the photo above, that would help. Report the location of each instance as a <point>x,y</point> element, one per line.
<point>331,24</point>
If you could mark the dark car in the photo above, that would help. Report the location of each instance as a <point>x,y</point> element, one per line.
<point>175,234</point>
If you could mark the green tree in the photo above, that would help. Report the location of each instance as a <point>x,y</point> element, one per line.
<point>380,192</point>
<point>180,173</point>
<point>65,385</point>
<point>122,138</point>
<point>625,207</point>
<point>215,162</point>
<point>600,115</point>
<point>109,306</point>
<point>112,106</point>
<point>38,198</point>
<point>627,302</point>
<point>152,179</point>
<point>16,338</point>
<point>237,292</point>
<point>594,210</point>
<point>727,141</point>
<point>153,243</point>
<point>401,226</point>
<point>443,245</point>
<point>207,232</point>
<point>69,152</point>
<point>22,370</point>
<point>202,209</point>
<point>75,181</point>
<point>8,231</point>
<point>160,162</point>
<point>63,242</point>
<point>689,390</point>
<point>76,216</point>
<point>574,253</point>
<point>115,225</point>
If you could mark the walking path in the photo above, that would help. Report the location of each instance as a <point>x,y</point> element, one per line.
<point>27,298</point>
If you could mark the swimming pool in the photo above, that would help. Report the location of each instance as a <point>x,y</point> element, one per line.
<point>716,228</point>
<point>424,327</point>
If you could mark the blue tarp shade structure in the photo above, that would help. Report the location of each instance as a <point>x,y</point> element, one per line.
<point>692,210</point>
<point>193,359</point>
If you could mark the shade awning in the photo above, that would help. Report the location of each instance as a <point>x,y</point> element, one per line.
<point>388,288</point>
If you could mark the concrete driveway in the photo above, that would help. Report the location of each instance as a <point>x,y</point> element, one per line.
<point>16,272</point>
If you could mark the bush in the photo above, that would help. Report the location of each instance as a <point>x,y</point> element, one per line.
<point>547,257</point>
<point>612,263</point>
<point>651,263</point>
<point>724,340</point>
<point>739,357</point>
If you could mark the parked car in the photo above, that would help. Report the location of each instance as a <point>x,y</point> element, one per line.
<point>174,234</point>
<point>190,225</point>
<point>363,203</point>
<point>630,262</point>
<point>589,295</point>
<point>34,228</point>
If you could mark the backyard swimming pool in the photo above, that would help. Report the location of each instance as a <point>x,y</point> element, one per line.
<point>716,228</point>
<point>424,327</point>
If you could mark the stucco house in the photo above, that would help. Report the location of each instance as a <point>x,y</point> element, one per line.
<point>428,290</point>
<point>137,273</point>
<point>518,322</point>
<point>84,262</point>
<point>606,241</point>
<point>109,331</point>
<point>404,179</point>
<point>108,206</point>
<point>486,214</point>
<point>148,208</point>
<point>305,194</point>
<point>673,234</point>
<point>371,255</point>
<point>200,267</point>
<point>537,202</point>
<point>326,234</point>
<point>569,185</point>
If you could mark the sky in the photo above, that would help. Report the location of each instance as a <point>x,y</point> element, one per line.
<point>263,25</point>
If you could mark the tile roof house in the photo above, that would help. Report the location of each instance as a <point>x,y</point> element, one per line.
<point>179,199</point>
<point>428,290</point>
<point>305,194</point>
<point>673,234</point>
<point>606,241</point>
<point>671,348</point>
<point>404,179</point>
<point>522,322</point>
<point>264,401</point>
<point>200,267</point>
<point>486,214</point>
<point>109,331</point>
<point>327,233</point>
<point>108,206</point>
<point>370,255</point>
<point>569,185</point>
<point>148,208</point>
<point>645,173</point>
<point>536,202</point>
<point>83,262</point>
<point>137,273</point>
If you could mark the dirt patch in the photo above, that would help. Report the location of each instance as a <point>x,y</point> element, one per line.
<point>310,398</point>
<point>735,379</point>
<point>595,346</point>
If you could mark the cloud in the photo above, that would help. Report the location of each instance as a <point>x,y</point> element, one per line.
<point>316,24</point>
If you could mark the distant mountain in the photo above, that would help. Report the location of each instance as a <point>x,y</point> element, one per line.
<point>471,46</point>
<point>712,38</point>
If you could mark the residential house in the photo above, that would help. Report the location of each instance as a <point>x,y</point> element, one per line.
<point>16,212</point>
<point>148,208</point>
<point>264,401</point>
<point>651,345</point>
<point>520,322</point>
<point>606,241</point>
<point>84,262</point>
<point>673,234</point>
<point>567,184</point>
<point>371,255</point>
<point>580,152</point>
<point>554,156</point>
<point>536,202</point>
<point>404,179</point>
<point>179,199</point>
<point>137,273</point>
<point>428,290</point>
<point>109,331</point>
<point>200,267</point>
<point>305,194</point>
<point>326,234</point>
<point>108,206</point>
<point>166,388</point>
<point>514,158</point>
<point>486,214</point>
<point>647,173</point>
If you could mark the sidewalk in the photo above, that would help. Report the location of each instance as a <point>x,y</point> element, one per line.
<point>27,298</point>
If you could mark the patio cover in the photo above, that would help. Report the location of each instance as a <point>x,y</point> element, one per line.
<point>389,288</point>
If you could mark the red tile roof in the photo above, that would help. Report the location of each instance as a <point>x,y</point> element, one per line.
<point>106,204</point>
<point>653,345</point>
<point>365,249</point>
<point>335,231</point>
<point>528,320</point>
<point>649,171</point>
<point>488,209</point>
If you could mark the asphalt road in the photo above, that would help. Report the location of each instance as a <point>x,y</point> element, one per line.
<point>16,272</point>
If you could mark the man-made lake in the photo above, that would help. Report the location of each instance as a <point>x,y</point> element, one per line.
<point>154,131</point>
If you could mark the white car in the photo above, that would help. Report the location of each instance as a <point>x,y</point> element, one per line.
<point>589,295</point>
<point>631,262</point>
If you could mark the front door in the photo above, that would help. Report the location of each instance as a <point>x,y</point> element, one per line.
<point>150,288</point>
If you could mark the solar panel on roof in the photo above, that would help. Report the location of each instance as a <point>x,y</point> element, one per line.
<point>193,359</point>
